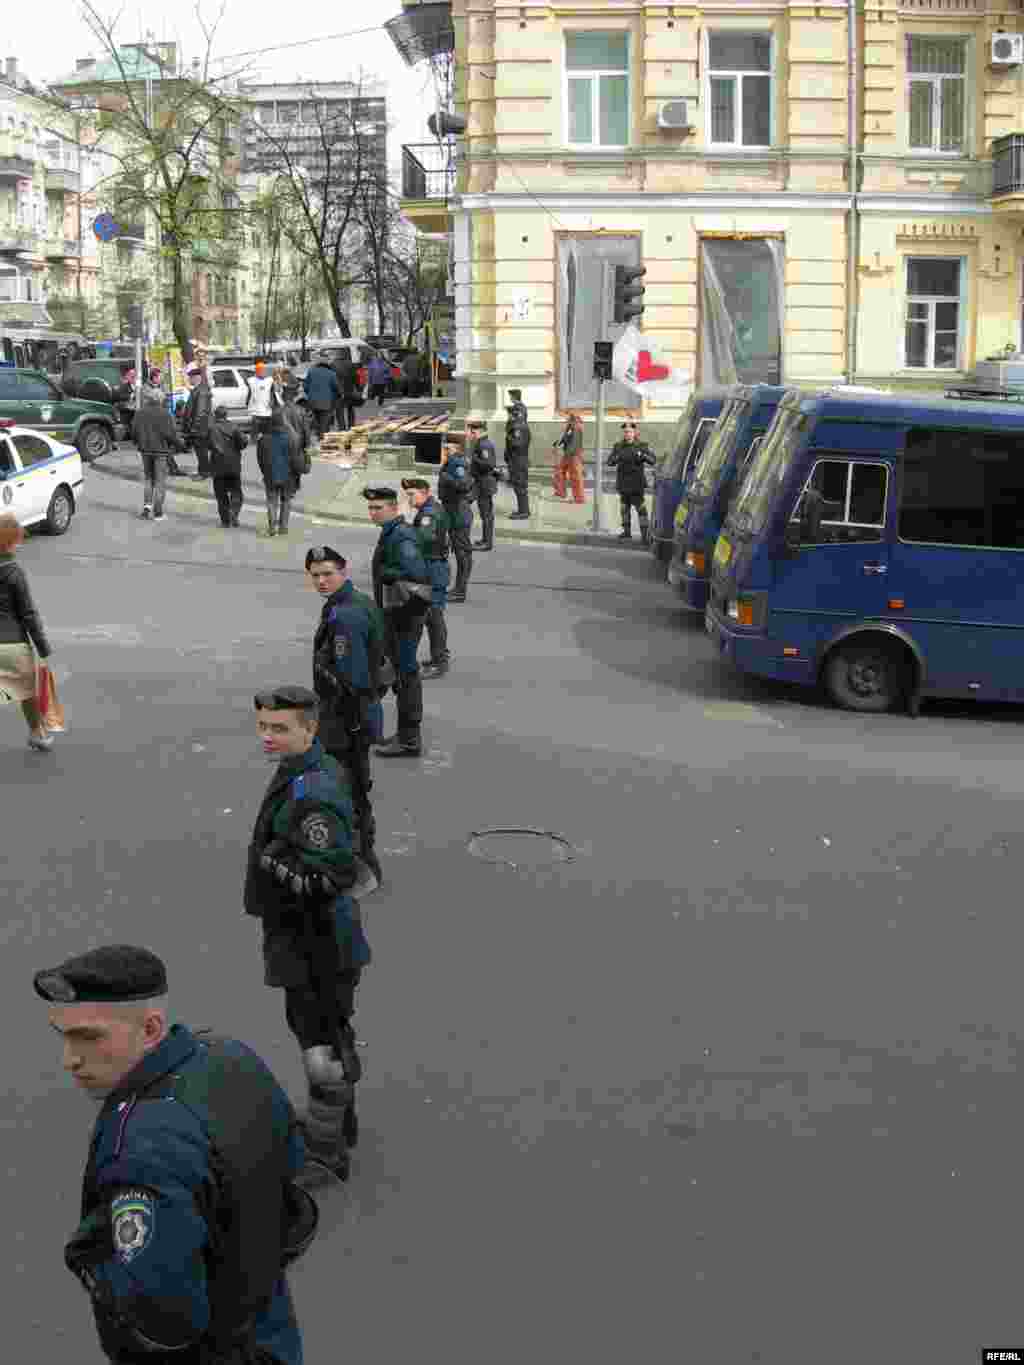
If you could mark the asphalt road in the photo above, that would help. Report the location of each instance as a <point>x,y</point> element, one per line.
<point>736,1083</point>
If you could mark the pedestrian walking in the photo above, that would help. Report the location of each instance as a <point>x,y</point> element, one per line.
<point>411,374</point>
<point>517,454</point>
<point>156,436</point>
<point>380,379</point>
<point>628,458</point>
<point>297,416</point>
<point>322,393</point>
<point>348,663</point>
<point>432,525</point>
<point>300,871</point>
<point>351,393</point>
<point>457,490</point>
<point>21,627</point>
<point>401,588</point>
<point>570,464</point>
<point>226,445</point>
<point>261,398</point>
<point>153,389</point>
<point>277,455</point>
<point>483,465</point>
<point>190,1210</point>
<point>196,419</point>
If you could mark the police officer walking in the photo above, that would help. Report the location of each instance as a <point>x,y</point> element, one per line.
<point>628,458</point>
<point>348,655</point>
<point>189,1211</point>
<point>300,872</point>
<point>517,454</point>
<point>483,465</point>
<point>195,423</point>
<point>401,587</point>
<point>430,522</point>
<point>456,489</point>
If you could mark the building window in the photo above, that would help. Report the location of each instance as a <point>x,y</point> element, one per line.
<point>597,89</point>
<point>936,98</point>
<point>933,313</point>
<point>740,89</point>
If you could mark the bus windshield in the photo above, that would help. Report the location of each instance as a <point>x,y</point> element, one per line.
<point>673,461</point>
<point>717,448</point>
<point>765,476</point>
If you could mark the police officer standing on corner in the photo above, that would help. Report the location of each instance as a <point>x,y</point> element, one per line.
<point>348,655</point>
<point>483,465</point>
<point>300,873</point>
<point>517,454</point>
<point>401,588</point>
<point>189,1211</point>
<point>628,458</point>
<point>457,490</point>
<point>430,522</point>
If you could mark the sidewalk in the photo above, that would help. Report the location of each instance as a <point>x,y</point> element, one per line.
<point>332,492</point>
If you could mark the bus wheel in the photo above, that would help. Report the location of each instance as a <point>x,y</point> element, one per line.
<point>866,674</point>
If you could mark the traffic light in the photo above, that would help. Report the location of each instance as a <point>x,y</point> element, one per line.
<point>629,297</point>
<point>134,321</point>
<point>602,360</point>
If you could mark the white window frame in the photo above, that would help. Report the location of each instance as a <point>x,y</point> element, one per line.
<point>739,145</point>
<point>595,103</point>
<point>931,300</point>
<point>936,84</point>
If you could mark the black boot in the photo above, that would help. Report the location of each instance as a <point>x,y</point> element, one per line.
<point>406,744</point>
<point>486,542</point>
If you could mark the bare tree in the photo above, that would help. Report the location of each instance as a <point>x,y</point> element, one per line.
<point>325,177</point>
<point>171,138</point>
<point>413,284</point>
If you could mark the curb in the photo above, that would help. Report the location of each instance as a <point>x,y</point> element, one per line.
<point>607,540</point>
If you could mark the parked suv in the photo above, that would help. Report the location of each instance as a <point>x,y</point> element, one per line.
<point>31,399</point>
<point>102,381</point>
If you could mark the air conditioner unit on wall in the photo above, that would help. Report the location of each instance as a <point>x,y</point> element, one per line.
<point>1007,49</point>
<point>673,114</point>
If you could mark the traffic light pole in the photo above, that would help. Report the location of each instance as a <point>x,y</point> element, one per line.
<point>599,433</point>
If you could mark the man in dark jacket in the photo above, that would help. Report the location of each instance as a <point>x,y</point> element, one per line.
<point>517,454</point>
<point>156,436</point>
<point>483,465</point>
<point>277,454</point>
<point>226,446</point>
<point>456,490</point>
<point>431,523</point>
<point>322,393</point>
<point>189,1209</point>
<point>196,420</point>
<point>348,390</point>
<point>628,458</point>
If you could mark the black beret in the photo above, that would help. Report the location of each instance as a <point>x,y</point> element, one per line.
<point>515,394</point>
<point>380,494</point>
<point>416,483</point>
<point>323,554</point>
<point>113,975</point>
<point>288,698</point>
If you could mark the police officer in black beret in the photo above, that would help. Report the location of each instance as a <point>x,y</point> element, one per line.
<point>300,882</point>
<point>431,523</point>
<point>628,458</point>
<point>190,1212</point>
<point>348,664</point>
<point>402,589</point>
<point>517,454</point>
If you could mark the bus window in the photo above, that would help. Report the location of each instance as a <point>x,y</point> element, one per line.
<point>851,497</point>
<point>963,488</point>
<point>704,429</point>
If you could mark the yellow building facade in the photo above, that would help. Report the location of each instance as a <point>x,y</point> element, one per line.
<point>711,144</point>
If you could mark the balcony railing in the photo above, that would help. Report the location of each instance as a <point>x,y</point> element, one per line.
<point>428,172</point>
<point>60,180</point>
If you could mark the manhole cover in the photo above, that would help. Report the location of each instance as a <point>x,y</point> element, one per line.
<point>520,846</point>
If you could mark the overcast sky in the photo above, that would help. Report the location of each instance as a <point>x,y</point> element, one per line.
<point>48,41</point>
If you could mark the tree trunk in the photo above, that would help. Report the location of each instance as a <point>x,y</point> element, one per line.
<point>179,311</point>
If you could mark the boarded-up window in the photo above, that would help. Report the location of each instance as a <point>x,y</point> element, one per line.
<point>584,315</point>
<point>741,311</point>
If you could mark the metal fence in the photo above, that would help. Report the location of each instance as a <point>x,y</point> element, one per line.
<point>428,171</point>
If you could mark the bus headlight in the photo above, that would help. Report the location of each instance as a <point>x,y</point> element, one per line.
<point>696,560</point>
<point>748,609</point>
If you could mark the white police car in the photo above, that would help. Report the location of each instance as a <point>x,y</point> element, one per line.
<point>41,479</point>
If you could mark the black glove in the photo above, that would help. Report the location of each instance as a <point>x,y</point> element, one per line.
<point>91,1245</point>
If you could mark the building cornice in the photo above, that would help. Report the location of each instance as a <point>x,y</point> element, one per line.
<point>709,201</point>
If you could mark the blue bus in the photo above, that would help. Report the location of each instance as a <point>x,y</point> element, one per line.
<point>676,467</point>
<point>877,547</point>
<point>745,418</point>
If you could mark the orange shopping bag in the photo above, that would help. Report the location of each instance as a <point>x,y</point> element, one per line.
<point>51,713</point>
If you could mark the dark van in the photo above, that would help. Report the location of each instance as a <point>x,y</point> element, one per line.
<point>676,466</point>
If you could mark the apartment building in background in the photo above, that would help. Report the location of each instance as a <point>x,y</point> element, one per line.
<point>711,144</point>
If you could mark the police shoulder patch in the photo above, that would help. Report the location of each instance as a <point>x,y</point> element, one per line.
<point>317,828</point>
<point>133,1222</point>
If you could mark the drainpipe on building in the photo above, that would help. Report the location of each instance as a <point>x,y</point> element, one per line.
<point>853,213</point>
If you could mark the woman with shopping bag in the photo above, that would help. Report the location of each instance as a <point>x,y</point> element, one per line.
<point>20,629</point>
